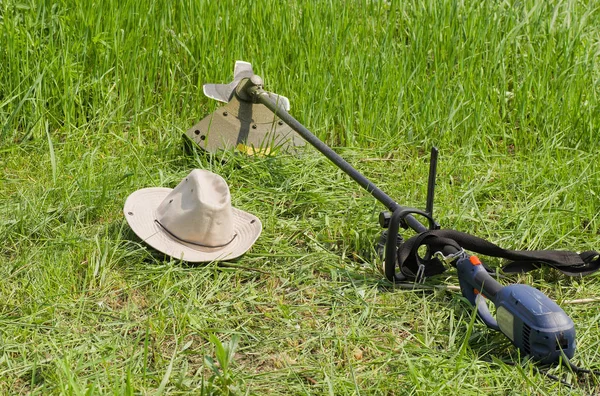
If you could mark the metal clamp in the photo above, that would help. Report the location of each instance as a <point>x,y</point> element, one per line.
<point>420,275</point>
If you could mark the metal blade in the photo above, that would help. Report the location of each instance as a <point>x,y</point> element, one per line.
<point>224,92</point>
<point>242,70</point>
<point>245,123</point>
<point>220,92</point>
<point>282,101</point>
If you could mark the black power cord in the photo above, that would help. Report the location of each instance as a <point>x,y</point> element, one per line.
<point>579,370</point>
<point>574,368</point>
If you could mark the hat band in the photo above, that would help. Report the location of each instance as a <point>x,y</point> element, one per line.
<point>193,243</point>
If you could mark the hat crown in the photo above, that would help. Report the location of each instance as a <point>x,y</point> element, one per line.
<point>199,210</point>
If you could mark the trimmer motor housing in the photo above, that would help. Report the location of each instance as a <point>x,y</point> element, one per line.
<point>535,323</point>
<point>529,318</point>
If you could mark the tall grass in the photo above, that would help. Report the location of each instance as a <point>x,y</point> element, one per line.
<point>367,72</point>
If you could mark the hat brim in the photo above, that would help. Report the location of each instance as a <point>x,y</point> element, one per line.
<point>140,210</point>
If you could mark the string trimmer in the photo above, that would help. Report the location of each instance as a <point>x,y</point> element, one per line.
<point>258,122</point>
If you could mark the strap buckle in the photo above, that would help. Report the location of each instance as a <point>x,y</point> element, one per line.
<point>450,258</point>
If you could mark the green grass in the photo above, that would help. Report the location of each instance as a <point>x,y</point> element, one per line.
<point>94,97</point>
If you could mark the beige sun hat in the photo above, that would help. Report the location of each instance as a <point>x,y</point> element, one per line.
<point>194,221</point>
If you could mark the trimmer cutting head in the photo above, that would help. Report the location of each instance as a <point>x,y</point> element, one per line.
<point>242,124</point>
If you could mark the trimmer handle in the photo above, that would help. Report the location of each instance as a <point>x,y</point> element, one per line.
<point>474,281</point>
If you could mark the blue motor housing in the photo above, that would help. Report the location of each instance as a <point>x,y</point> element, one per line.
<point>535,323</point>
<point>532,321</point>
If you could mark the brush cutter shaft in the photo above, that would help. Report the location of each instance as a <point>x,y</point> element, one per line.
<point>262,97</point>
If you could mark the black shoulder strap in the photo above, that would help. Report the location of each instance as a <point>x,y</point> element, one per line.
<point>569,263</point>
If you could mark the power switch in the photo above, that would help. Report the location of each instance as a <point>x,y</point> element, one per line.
<point>474,260</point>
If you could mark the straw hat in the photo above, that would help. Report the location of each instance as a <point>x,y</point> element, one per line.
<point>194,221</point>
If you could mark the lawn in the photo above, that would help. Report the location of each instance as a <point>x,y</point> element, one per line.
<point>95,97</point>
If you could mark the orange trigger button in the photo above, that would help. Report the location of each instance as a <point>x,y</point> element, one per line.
<point>474,260</point>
